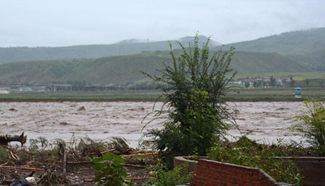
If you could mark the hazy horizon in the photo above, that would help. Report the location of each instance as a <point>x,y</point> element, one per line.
<point>38,23</point>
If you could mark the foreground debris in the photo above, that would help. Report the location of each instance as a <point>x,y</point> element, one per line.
<point>69,165</point>
<point>4,140</point>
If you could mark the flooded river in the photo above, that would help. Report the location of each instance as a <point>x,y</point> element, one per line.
<point>264,121</point>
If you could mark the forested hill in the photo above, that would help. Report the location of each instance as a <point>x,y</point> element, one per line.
<point>126,69</point>
<point>126,47</point>
<point>298,51</point>
<point>306,46</point>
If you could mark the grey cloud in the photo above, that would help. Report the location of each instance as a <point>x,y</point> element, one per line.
<point>61,22</point>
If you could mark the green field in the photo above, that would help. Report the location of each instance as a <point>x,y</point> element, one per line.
<point>298,76</point>
<point>243,94</point>
<point>84,96</point>
<point>280,94</point>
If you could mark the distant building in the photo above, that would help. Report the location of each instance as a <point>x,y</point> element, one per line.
<point>4,90</point>
<point>59,87</point>
<point>39,89</point>
<point>238,82</point>
<point>25,89</point>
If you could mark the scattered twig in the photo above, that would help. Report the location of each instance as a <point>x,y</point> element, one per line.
<point>12,175</point>
<point>79,162</point>
<point>13,156</point>
<point>140,154</point>
<point>88,180</point>
<point>110,150</point>
<point>22,168</point>
<point>136,166</point>
<point>4,164</point>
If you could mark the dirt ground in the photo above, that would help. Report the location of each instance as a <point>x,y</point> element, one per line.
<point>75,169</point>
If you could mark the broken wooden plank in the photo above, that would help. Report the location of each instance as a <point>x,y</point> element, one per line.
<point>4,140</point>
<point>21,168</point>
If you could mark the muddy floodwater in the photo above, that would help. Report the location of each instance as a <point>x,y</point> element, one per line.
<point>264,121</point>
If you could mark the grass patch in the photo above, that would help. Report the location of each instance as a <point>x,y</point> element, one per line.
<point>247,152</point>
<point>298,76</point>
<point>238,94</point>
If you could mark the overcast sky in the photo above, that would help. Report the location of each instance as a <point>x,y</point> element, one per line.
<point>75,22</point>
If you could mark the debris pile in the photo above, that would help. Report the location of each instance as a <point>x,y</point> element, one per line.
<point>43,163</point>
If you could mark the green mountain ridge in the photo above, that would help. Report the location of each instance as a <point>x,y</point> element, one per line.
<point>306,46</point>
<point>120,63</point>
<point>125,47</point>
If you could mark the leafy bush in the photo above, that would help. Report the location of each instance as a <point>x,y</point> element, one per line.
<point>119,144</point>
<point>313,126</point>
<point>176,176</point>
<point>90,147</point>
<point>3,154</point>
<point>193,86</point>
<point>109,170</point>
<point>248,153</point>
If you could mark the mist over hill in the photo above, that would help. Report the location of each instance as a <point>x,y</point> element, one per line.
<point>125,47</point>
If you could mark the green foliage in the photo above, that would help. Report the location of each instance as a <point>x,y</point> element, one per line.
<point>248,153</point>
<point>89,147</point>
<point>313,126</point>
<point>176,176</point>
<point>39,143</point>
<point>197,137</point>
<point>109,170</point>
<point>204,125</point>
<point>118,143</point>
<point>194,86</point>
<point>3,154</point>
<point>40,147</point>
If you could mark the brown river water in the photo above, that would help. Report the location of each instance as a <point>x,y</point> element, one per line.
<point>265,122</point>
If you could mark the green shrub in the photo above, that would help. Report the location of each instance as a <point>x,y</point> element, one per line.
<point>194,86</point>
<point>119,144</point>
<point>3,154</point>
<point>248,153</point>
<point>313,126</point>
<point>109,170</point>
<point>176,176</point>
<point>89,147</point>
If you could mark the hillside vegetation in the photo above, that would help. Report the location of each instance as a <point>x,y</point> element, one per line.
<point>127,47</point>
<point>120,63</point>
<point>306,47</point>
<point>126,69</point>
